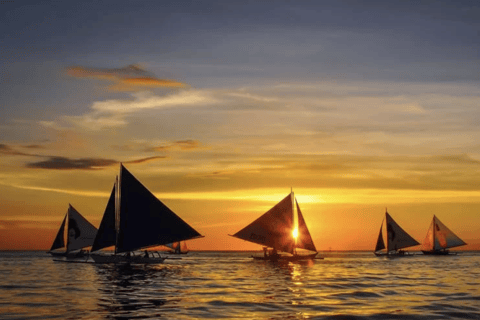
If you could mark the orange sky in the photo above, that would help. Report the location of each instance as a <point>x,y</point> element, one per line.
<point>334,224</point>
<point>220,112</point>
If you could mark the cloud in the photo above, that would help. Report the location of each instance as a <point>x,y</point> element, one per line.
<point>130,78</point>
<point>145,160</point>
<point>34,146</point>
<point>184,145</point>
<point>4,149</point>
<point>310,117</point>
<point>76,192</point>
<point>62,163</point>
<point>7,150</point>
<point>113,113</point>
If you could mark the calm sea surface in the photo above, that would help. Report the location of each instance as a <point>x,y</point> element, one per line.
<point>231,285</point>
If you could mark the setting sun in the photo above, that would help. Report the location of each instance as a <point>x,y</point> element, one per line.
<point>295,233</point>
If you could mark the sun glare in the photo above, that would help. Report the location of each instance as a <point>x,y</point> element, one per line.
<point>295,233</point>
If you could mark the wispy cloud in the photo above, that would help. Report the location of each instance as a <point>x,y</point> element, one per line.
<point>303,118</point>
<point>76,192</point>
<point>113,113</point>
<point>66,163</point>
<point>34,146</point>
<point>148,159</point>
<point>130,78</point>
<point>7,150</point>
<point>62,163</point>
<point>184,145</point>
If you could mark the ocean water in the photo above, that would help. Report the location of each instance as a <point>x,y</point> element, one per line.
<point>231,285</point>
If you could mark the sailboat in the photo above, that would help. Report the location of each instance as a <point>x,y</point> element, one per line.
<point>439,239</point>
<point>397,239</point>
<point>179,247</point>
<point>80,234</point>
<point>135,219</point>
<point>276,229</point>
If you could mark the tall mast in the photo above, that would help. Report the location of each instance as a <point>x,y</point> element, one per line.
<point>386,229</point>
<point>117,206</point>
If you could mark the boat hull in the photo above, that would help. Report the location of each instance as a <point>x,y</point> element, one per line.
<point>124,259</point>
<point>394,254</point>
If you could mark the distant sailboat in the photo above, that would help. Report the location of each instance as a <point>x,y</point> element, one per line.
<point>275,229</point>
<point>80,234</point>
<point>179,247</point>
<point>397,239</point>
<point>135,219</point>
<point>439,238</point>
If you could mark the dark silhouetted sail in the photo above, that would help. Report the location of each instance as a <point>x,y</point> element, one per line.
<point>273,229</point>
<point>81,233</point>
<point>144,221</point>
<point>107,235</point>
<point>380,244</point>
<point>59,241</point>
<point>397,238</point>
<point>304,240</point>
<point>439,237</point>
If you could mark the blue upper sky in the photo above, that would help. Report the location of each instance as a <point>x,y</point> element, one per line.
<point>368,39</point>
<point>225,44</point>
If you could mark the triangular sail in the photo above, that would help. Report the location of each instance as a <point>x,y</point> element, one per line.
<point>59,241</point>
<point>272,229</point>
<point>178,247</point>
<point>81,233</point>
<point>440,237</point>
<point>107,235</point>
<point>397,238</point>
<point>144,220</point>
<point>380,244</point>
<point>304,240</point>
<point>429,241</point>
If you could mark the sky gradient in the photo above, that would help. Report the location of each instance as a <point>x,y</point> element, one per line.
<point>220,108</point>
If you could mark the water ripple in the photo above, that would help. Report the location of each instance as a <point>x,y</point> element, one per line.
<point>232,285</point>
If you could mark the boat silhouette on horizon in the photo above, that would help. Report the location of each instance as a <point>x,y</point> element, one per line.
<point>397,239</point>
<point>80,234</point>
<point>134,220</point>
<point>439,239</point>
<point>275,231</point>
